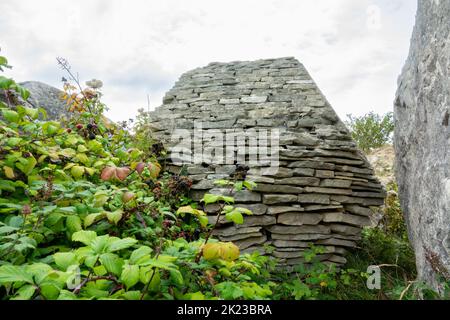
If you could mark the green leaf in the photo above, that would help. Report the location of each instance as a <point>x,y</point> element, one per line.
<point>112,262</point>
<point>12,142</point>
<point>235,216</point>
<point>77,171</point>
<point>130,275</point>
<point>140,255</point>
<point>176,276</point>
<point>10,273</point>
<point>85,237</point>
<point>115,216</point>
<point>6,83</point>
<point>250,185</point>
<point>93,217</point>
<point>65,259</point>
<point>100,244</point>
<point>119,244</point>
<point>26,292</point>
<point>73,224</point>
<point>203,220</point>
<point>210,198</point>
<point>50,290</point>
<point>244,211</point>
<point>26,165</point>
<point>7,185</point>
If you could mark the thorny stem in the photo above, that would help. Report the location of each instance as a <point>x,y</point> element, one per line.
<point>63,65</point>
<point>158,251</point>
<point>219,213</point>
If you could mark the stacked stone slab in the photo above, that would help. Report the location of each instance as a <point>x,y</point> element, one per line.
<point>324,189</point>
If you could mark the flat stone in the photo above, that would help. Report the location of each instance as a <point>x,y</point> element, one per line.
<point>290,244</point>
<point>347,200</point>
<point>300,229</point>
<point>299,181</point>
<point>303,172</point>
<point>241,236</point>
<point>322,207</point>
<point>252,221</point>
<point>281,209</point>
<point>254,99</point>
<point>257,209</point>
<point>299,219</point>
<point>345,230</point>
<point>337,242</point>
<point>335,183</point>
<point>314,198</point>
<point>278,198</point>
<point>246,243</point>
<point>362,211</point>
<point>324,174</point>
<point>270,188</point>
<point>312,164</point>
<point>328,191</point>
<point>346,218</point>
<point>203,185</point>
<point>229,101</point>
<point>299,237</point>
<point>230,231</point>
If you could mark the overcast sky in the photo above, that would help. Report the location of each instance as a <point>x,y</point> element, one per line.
<point>354,49</point>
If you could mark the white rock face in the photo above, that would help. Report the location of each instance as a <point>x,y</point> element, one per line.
<point>422,140</point>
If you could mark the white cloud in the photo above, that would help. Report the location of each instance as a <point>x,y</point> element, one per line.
<point>141,47</point>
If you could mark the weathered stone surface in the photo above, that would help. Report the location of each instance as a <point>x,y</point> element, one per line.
<point>422,140</point>
<point>290,244</point>
<point>45,96</point>
<point>230,231</point>
<point>251,221</point>
<point>279,198</point>
<point>335,183</point>
<point>346,218</point>
<point>246,243</point>
<point>299,237</point>
<point>281,209</point>
<point>328,190</point>
<point>314,198</point>
<point>303,172</point>
<point>324,174</point>
<point>256,209</point>
<point>299,219</point>
<point>300,229</point>
<point>270,188</point>
<point>299,181</point>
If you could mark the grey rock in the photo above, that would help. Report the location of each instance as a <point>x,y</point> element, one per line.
<point>299,181</point>
<point>299,219</point>
<point>270,188</point>
<point>273,210</point>
<point>279,198</point>
<point>314,198</point>
<point>422,140</point>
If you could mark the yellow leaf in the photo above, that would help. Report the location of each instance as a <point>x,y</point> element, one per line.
<point>229,251</point>
<point>9,172</point>
<point>211,251</point>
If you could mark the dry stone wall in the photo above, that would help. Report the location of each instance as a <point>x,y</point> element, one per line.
<point>323,189</point>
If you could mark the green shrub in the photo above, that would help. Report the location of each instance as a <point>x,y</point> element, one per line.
<point>371,130</point>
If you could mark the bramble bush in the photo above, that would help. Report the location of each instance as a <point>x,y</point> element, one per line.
<point>88,211</point>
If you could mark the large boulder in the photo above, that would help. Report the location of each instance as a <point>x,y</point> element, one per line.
<point>422,140</point>
<point>47,97</point>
